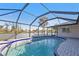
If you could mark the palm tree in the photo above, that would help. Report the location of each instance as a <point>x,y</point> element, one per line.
<point>43,22</point>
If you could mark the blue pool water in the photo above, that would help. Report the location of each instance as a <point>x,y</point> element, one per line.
<point>45,47</point>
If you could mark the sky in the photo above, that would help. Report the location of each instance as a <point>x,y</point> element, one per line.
<point>37,9</point>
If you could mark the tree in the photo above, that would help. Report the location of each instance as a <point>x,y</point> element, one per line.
<point>18,29</point>
<point>6,27</point>
<point>1,29</point>
<point>13,28</point>
<point>43,22</point>
<point>1,26</point>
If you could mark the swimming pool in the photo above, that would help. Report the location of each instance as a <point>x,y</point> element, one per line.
<point>45,47</point>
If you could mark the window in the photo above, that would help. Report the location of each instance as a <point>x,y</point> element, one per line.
<point>66,30</point>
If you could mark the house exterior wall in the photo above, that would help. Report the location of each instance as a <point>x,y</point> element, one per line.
<point>74,31</point>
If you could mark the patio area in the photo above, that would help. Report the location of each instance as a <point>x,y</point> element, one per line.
<point>70,47</point>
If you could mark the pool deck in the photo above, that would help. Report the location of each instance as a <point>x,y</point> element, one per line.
<point>70,47</point>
